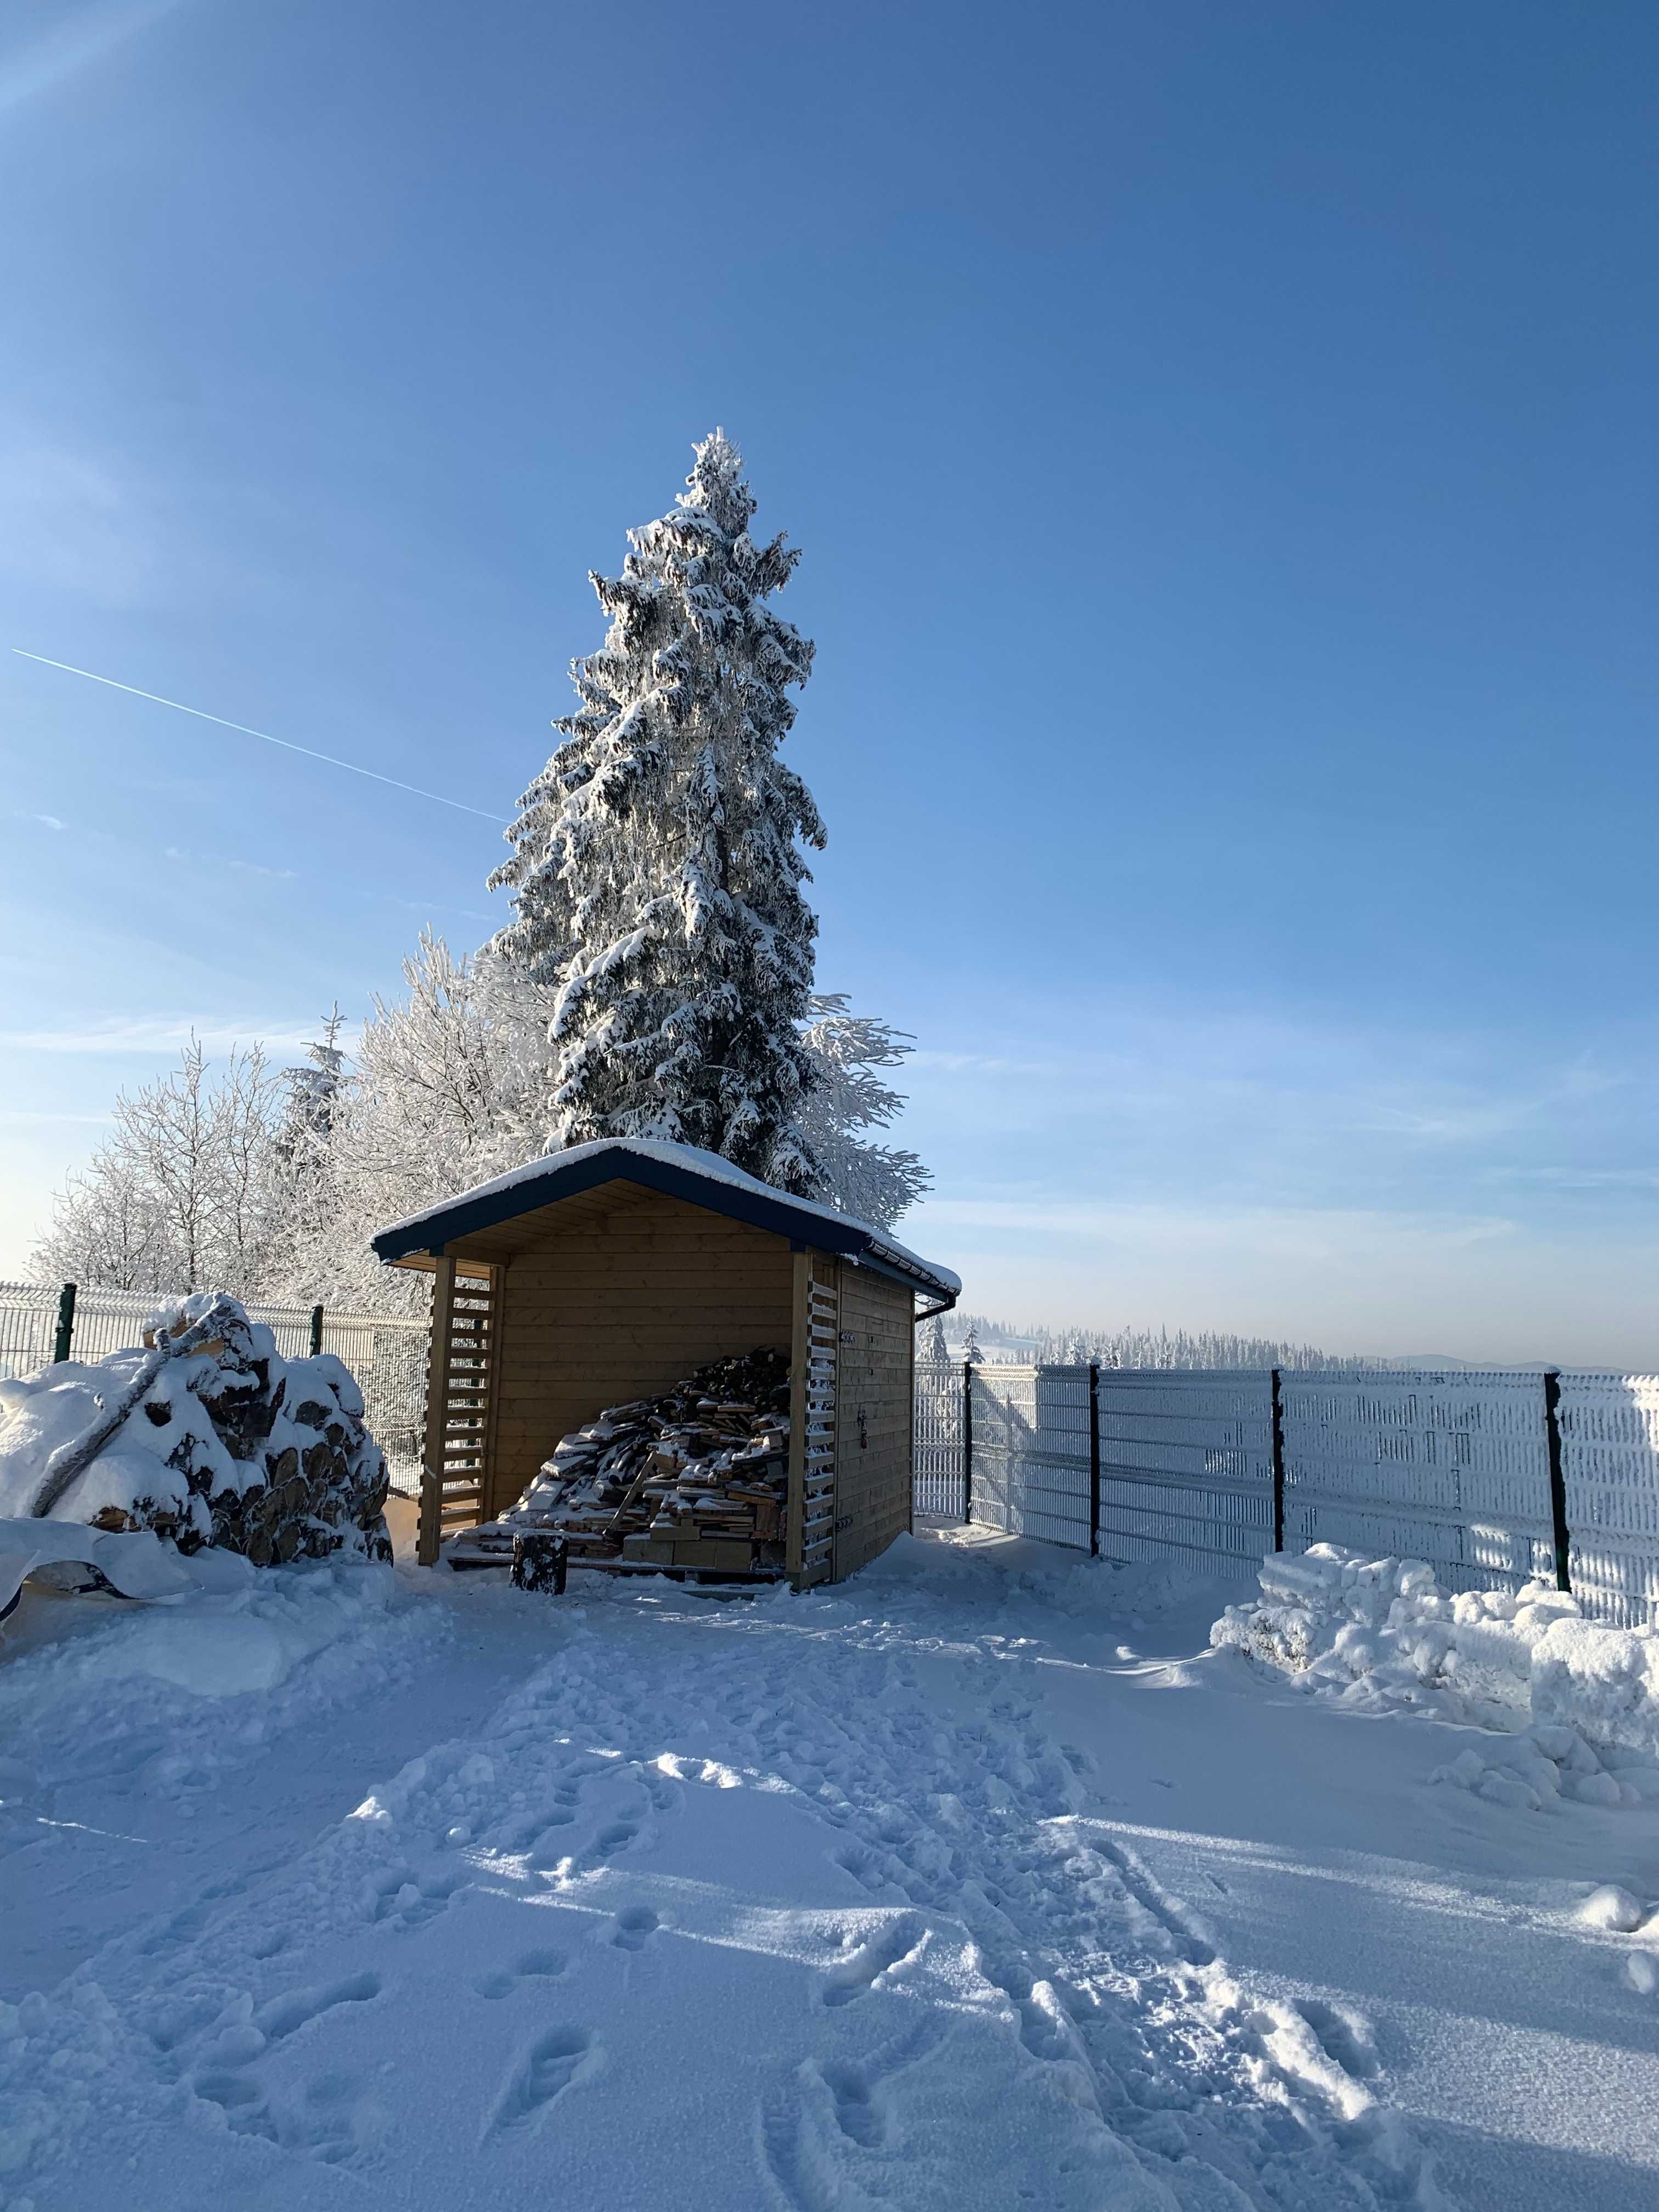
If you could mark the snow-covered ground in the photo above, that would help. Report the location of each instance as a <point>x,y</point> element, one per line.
<point>978,1882</point>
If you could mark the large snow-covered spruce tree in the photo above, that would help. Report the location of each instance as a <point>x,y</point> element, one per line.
<point>656,872</point>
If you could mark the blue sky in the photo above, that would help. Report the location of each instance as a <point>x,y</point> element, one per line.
<point>1222,446</point>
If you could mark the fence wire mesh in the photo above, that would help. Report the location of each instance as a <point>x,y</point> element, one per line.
<point>1031,1470</point>
<point>936,1462</point>
<point>1186,1465</point>
<point>387,1355</point>
<point>1453,1468</point>
<point>1449,1468</point>
<point>1610,1471</point>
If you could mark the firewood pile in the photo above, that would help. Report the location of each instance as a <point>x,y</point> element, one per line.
<point>697,1478</point>
<point>228,1444</point>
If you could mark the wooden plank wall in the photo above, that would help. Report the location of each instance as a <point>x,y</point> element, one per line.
<point>875,1389</point>
<point>623,1307</point>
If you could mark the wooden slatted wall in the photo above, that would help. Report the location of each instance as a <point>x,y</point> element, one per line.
<point>815,1352</point>
<point>462,1402</point>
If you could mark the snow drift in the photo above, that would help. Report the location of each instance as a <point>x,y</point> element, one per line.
<point>1584,1699</point>
<point>228,1444</point>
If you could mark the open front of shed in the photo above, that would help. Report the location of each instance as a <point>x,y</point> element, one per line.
<point>604,1278</point>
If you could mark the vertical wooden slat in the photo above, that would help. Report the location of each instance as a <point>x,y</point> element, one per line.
<point>819,1488</point>
<point>491,1505</point>
<point>437,1415</point>
<point>800,1352</point>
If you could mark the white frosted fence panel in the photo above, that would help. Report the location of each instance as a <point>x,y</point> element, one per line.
<point>937,1484</point>
<point>1449,1466</point>
<point>1610,1472</point>
<point>1186,1465</point>
<point>1030,1452</point>
<point>110,1320</point>
<point>387,1358</point>
<point>1453,1468</point>
<point>28,1326</point>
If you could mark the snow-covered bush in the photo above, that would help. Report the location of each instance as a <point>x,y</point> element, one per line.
<point>229,1445</point>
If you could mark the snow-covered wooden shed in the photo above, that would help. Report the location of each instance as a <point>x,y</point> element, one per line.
<point>602,1275</point>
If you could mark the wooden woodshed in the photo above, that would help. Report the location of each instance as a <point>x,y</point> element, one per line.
<point>610,1272</point>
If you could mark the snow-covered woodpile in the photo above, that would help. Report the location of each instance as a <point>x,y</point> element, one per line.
<point>697,1478</point>
<point>204,1434</point>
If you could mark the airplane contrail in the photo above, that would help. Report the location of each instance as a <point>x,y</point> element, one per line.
<point>202,715</point>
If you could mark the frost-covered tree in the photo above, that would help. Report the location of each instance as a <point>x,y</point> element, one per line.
<point>939,1351</point>
<point>656,871</point>
<point>314,1091</point>
<point>846,1096</point>
<point>445,1093</point>
<point>185,1193</point>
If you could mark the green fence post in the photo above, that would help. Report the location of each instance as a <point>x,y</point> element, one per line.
<point>65,1336</point>
<point>316,1330</point>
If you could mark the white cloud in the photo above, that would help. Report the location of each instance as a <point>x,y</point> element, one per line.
<point>51,820</point>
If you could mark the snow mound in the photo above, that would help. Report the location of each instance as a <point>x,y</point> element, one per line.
<point>1582,1700</point>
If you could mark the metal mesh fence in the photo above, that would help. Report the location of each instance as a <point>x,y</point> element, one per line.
<point>1030,1469</point>
<point>1610,1474</point>
<point>1451,1468</point>
<point>1186,1465</point>
<point>387,1355</point>
<point>936,1464</point>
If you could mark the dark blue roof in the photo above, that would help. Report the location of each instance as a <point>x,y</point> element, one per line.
<point>679,1172</point>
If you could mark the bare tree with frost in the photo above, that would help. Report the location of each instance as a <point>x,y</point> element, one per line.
<point>656,872</point>
<point>847,1097</point>
<point>185,1193</point>
<point>445,1093</point>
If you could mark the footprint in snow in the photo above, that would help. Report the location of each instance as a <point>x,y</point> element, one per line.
<point>858,1974</point>
<point>535,1965</point>
<point>556,2061</point>
<point>635,1925</point>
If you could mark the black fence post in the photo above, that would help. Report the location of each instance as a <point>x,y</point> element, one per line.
<point>1279,1464</point>
<point>967,1440</point>
<point>65,1336</point>
<point>1094,1460</point>
<point>1558,1479</point>
<point>316,1330</point>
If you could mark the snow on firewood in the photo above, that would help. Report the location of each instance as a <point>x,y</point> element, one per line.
<point>228,1444</point>
<point>695,1477</point>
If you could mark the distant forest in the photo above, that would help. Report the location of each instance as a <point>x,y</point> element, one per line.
<point>997,1340</point>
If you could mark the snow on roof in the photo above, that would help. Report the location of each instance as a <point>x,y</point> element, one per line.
<point>481,1207</point>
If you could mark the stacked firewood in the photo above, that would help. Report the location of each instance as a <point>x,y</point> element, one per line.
<point>227,1443</point>
<point>697,1478</point>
